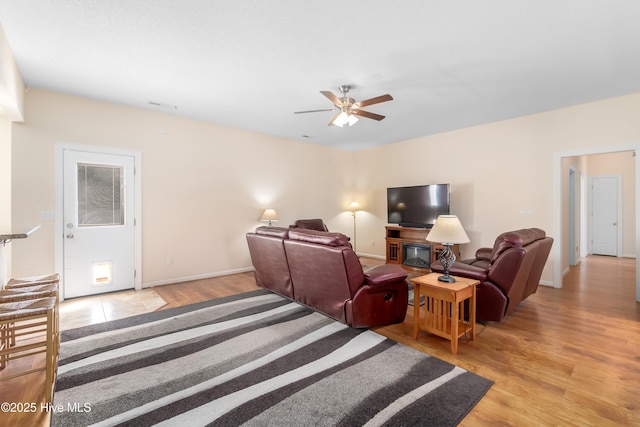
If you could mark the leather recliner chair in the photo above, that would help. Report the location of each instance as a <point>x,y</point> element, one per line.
<point>508,273</point>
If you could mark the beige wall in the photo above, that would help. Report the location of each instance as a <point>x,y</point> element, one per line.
<point>496,170</point>
<point>5,195</point>
<point>203,186</point>
<point>11,85</point>
<point>11,109</point>
<point>5,172</point>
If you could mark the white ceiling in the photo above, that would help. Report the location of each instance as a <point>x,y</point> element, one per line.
<point>251,63</point>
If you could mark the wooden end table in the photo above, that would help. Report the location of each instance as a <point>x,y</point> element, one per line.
<point>443,307</point>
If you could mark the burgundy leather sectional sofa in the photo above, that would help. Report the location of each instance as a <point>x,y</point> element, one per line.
<point>320,270</point>
<point>508,273</point>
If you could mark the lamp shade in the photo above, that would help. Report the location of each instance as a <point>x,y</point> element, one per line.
<point>269,215</point>
<point>448,229</point>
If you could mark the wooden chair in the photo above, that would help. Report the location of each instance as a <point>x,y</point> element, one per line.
<point>24,289</point>
<point>34,324</point>
<point>28,286</point>
<point>28,292</point>
<point>32,281</point>
<point>23,293</point>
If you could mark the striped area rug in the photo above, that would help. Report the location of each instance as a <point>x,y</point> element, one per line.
<point>254,359</point>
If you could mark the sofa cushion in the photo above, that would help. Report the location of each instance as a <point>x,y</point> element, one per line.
<point>319,237</point>
<point>538,233</point>
<point>280,232</point>
<point>311,224</point>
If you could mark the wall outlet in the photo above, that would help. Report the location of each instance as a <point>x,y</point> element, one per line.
<point>169,260</point>
<point>373,243</point>
<point>526,213</point>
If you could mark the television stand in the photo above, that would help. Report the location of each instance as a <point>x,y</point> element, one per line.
<point>398,237</point>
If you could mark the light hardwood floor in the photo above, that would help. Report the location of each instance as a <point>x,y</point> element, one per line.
<point>565,357</point>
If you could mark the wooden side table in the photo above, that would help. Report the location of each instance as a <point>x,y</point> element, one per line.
<point>443,307</point>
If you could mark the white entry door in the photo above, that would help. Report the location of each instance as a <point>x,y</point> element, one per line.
<point>605,222</point>
<point>98,214</point>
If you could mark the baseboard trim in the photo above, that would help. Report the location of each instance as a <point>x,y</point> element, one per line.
<point>197,277</point>
<point>361,254</point>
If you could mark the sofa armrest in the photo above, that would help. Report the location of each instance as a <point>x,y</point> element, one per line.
<point>384,274</point>
<point>484,253</point>
<point>463,270</point>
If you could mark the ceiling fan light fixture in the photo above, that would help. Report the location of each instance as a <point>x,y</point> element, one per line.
<point>342,119</point>
<point>345,118</point>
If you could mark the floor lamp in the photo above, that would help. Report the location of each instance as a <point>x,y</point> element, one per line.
<point>354,207</point>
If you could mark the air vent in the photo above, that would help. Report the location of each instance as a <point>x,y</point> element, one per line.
<point>165,106</point>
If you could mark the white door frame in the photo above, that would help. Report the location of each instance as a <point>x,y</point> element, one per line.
<point>618,209</point>
<point>556,250</point>
<point>59,205</point>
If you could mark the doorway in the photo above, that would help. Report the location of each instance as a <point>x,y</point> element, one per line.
<point>97,227</point>
<point>561,233</point>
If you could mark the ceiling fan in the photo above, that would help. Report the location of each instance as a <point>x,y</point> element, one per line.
<point>349,109</point>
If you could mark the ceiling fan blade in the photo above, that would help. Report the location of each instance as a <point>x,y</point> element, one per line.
<point>314,111</point>
<point>336,101</point>
<point>367,114</point>
<point>376,100</point>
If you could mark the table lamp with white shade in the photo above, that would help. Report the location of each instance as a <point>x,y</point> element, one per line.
<point>449,231</point>
<point>270,216</point>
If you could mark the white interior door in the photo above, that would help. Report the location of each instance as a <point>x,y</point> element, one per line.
<point>605,209</point>
<point>99,229</point>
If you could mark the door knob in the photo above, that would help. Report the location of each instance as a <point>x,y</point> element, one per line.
<point>69,236</point>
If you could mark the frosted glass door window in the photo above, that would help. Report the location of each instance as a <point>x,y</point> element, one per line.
<point>100,195</point>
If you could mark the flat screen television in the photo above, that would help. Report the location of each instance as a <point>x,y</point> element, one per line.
<point>417,206</point>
